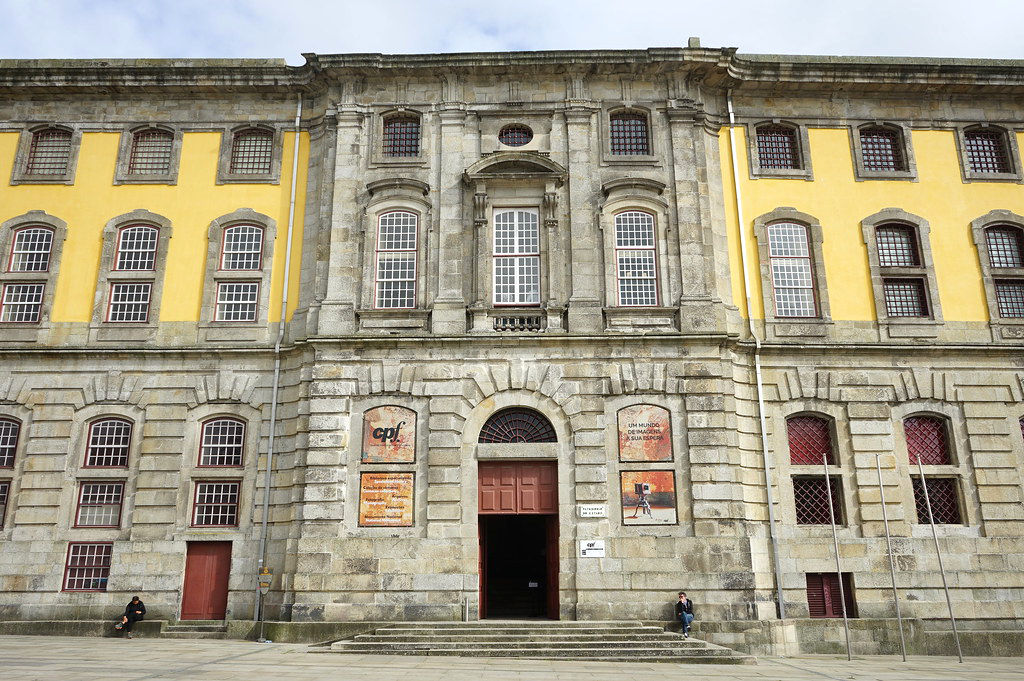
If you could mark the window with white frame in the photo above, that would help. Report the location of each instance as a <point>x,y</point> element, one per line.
<point>9,432</point>
<point>109,443</point>
<point>88,566</point>
<point>516,257</point>
<point>238,301</point>
<point>99,504</point>
<point>30,250</point>
<point>129,302</point>
<point>396,260</point>
<point>635,261</point>
<point>136,248</point>
<point>216,504</point>
<point>223,442</point>
<point>22,303</point>
<point>242,248</point>
<point>792,270</point>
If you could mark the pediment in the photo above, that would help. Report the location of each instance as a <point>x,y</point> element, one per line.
<point>515,165</point>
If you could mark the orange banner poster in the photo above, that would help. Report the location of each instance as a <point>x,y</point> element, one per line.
<point>645,433</point>
<point>648,497</point>
<point>389,435</point>
<point>386,499</point>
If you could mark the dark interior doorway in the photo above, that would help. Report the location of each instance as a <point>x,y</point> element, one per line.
<point>517,553</point>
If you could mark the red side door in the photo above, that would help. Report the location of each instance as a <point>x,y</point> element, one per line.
<point>207,568</point>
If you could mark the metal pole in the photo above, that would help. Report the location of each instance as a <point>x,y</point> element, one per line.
<point>261,639</point>
<point>835,542</point>
<point>892,563</point>
<point>938,554</point>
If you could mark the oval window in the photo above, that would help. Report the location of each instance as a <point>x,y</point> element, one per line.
<point>515,135</point>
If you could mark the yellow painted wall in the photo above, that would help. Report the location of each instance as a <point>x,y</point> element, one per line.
<point>190,205</point>
<point>839,202</point>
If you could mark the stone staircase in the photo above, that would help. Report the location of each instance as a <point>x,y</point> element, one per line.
<point>195,629</point>
<point>540,640</point>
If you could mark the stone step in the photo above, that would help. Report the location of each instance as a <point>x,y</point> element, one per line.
<point>384,637</point>
<point>635,654</point>
<point>697,648</point>
<point>517,624</point>
<point>194,634</point>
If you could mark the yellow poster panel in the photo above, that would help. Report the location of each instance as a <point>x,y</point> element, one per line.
<point>648,497</point>
<point>389,435</point>
<point>645,433</point>
<point>386,499</point>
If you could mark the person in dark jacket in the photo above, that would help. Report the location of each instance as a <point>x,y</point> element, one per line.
<point>133,612</point>
<point>684,613</point>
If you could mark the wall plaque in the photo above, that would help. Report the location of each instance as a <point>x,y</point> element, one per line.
<point>386,499</point>
<point>592,548</point>
<point>645,433</point>
<point>389,435</point>
<point>592,510</point>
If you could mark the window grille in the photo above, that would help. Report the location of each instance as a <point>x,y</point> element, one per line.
<point>823,595</point>
<point>136,248</point>
<point>629,134</point>
<point>810,497</point>
<point>243,248</point>
<point>517,425</point>
<point>396,260</point>
<point>31,250</point>
<point>49,153</point>
<point>927,440</point>
<point>792,271</point>
<point>223,443</point>
<point>252,152</point>
<point>22,303</point>
<point>882,149</point>
<point>87,567</point>
<point>810,440</point>
<point>1010,298</point>
<point>129,303</point>
<point>238,301</point>
<point>99,504</point>
<point>515,135</point>
<point>402,136</point>
<point>216,504</point>
<point>9,432</point>
<point>777,147</point>
<point>635,259</point>
<point>897,246</point>
<point>905,298</point>
<point>1005,246</point>
<point>516,258</point>
<point>151,152</point>
<point>986,151</point>
<point>943,497</point>
<point>109,443</point>
<point>5,490</point>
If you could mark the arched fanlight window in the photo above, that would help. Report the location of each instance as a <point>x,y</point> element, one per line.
<point>517,424</point>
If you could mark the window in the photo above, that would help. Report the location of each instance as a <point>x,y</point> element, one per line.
<point>791,270</point>
<point>810,440</point>
<point>897,246</point>
<point>401,136</point>
<point>1005,246</point>
<point>517,424</point>
<point>902,274</point>
<point>628,134</point>
<point>516,257</point>
<point>515,135</point>
<point>987,151</point>
<point>223,442</point>
<point>109,443</point>
<point>252,152</point>
<point>942,494</point>
<point>216,504</point>
<point>9,432</point>
<point>635,259</point>
<point>22,303</point>
<point>777,147</point>
<point>823,595</point>
<point>99,504</point>
<point>927,440</point>
<point>88,566</point>
<point>129,303</point>
<point>396,260</point>
<point>238,301</point>
<point>905,298</point>
<point>136,248</point>
<point>5,491</point>
<point>810,497</point>
<point>1010,298</point>
<point>50,152</point>
<point>30,251</point>
<point>243,248</point>
<point>151,152</point>
<point>882,149</point>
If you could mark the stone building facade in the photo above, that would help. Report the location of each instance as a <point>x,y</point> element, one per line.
<point>521,287</point>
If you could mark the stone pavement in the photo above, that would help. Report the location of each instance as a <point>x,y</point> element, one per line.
<point>52,658</point>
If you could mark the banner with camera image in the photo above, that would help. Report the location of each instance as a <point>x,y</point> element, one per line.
<point>648,497</point>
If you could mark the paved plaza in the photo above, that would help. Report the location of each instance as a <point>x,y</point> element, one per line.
<point>32,658</point>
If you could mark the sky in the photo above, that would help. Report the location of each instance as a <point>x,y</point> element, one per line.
<point>287,28</point>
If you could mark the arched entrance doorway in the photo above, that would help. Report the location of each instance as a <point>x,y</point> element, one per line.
<point>518,521</point>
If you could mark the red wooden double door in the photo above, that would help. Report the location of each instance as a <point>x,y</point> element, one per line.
<point>205,591</point>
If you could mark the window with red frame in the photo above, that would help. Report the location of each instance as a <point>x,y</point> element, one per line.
<point>5,491</point>
<point>237,301</point>
<point>109,443</point>
<point>810,440</point>
<point>22,303</point>
<point>223,442</point>
<point>396,260</point>
<point>252,152</point>
<point>629,135</point>
<point>823,595</point>
<point>987,151</point>
<point>943,497</point>
<point>49,153</point>
<point>777,147</point>
<point>927,440</point>
<point>810,498</point>
<point>401,136</point>
<point>99,504</point>
<point>129,302</point>
<point>30,250</point>
<point>10,430</point>
<point>243,248</point>
<point>216,504</point>
<point>136,248</point>
<point>151,152</point>
<point>88,566</point>
<point>789,254</point>
<point>635,260</point>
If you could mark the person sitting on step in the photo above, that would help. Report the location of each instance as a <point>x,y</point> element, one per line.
<point>684,613</point>
<point>133,612</point>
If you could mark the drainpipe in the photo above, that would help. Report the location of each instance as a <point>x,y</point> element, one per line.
<point>262,558</point>
<point>757,358</point>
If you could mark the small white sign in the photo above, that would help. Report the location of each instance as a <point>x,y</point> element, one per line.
<point>592,510</point>
<point>592,548</point>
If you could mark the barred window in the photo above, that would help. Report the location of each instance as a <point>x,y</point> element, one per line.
<point>635,259</point>
<point>216,504</point>
<point>110,441</point>
<point>897,246</point>
<point>515,135</point>
<point>223,442</point>
<point>927,440</point>
<point>402,136</point>
<point>136,248</point>
<point>792,271</point>
<point>22,303</point>
<point>99,504</point>
<point>88,566</point>
<point>396,260</point>
<point>987,151</point>
<point>1005,246</point>
<point>1010,298</point>
<point>517,424</point>
<point>30,251</point>
<point>252,152</point>
<point>151,152</point>
<point>243,248</point>
<point>942,494</point>
<point>629,135</point>
<point>810,440</point>
<point>777,147</point>
<point>882,149</point>
<point>129,302</point>
<point>905,298</point>
<point>238,301</point>
<point>10,430</point>
<point>516,257</point>
<point>49,153</point>
<point>5,490</point>
<point>810,497</point>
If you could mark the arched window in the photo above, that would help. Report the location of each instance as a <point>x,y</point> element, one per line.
<point>927,440</point>
<point>904,280</point>
<point>243,248</point>
<point>49,153</point>
<point>517,424</point>
<point>628,134</point>
<point>252,152</point>
<point>30,249</point>
<point>401,135</point>
<point>222,442</point>
<point>151,152</point>
<point>777,147</point>
<point>810,444</point>
<point>810,440</point>
<point>109,443</point>
<point>10,430</point>
<point>636,264</point>
<point>396,260</point>
<point>987,151</point>
<point>792,270</point>
<point>136,248</point>
<point>1006,254</point>
<point>882,148</point>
